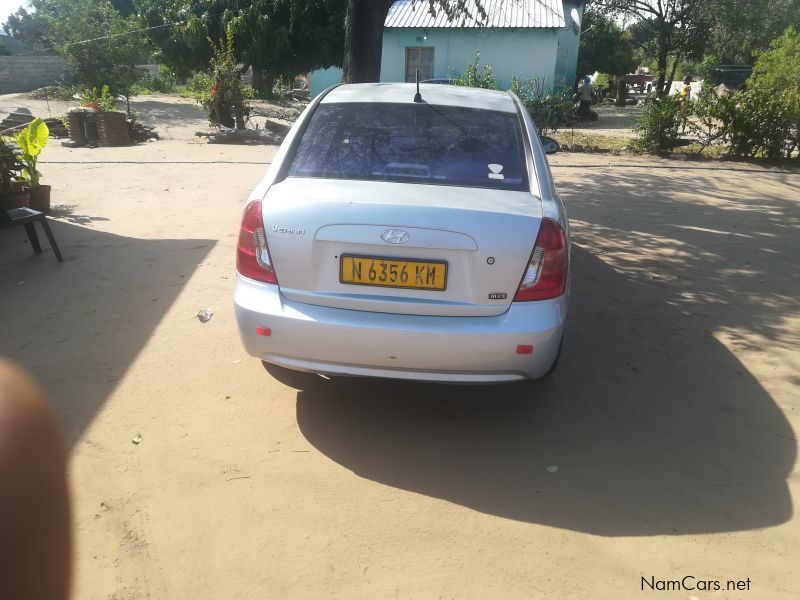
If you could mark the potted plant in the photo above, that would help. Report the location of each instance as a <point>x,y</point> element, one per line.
<point>31,141</point>
<point>11,193</point>
<point>112,125</point>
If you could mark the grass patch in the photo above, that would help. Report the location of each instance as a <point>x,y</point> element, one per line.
<point>578,141</point>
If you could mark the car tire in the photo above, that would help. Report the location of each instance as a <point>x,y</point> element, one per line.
<point>300,380</point>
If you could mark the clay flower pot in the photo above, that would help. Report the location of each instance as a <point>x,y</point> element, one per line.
<point>40,198</point>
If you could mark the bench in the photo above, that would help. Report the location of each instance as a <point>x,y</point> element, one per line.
<point>29,217</point>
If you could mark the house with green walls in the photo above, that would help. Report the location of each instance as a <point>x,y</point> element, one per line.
<point>526,38</point>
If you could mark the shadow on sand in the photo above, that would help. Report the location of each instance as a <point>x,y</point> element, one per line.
<point>100,308</point>
<point>657,428</point>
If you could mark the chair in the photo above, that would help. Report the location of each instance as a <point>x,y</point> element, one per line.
<point>29,217</point>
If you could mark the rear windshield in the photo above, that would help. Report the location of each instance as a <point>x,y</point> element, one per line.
<point>418,143</point>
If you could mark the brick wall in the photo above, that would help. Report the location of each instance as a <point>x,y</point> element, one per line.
<point>26,73</point>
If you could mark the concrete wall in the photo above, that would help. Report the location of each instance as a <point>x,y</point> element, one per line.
<point>568,44</point>
<point>26,73</point>
<point>522,52</point>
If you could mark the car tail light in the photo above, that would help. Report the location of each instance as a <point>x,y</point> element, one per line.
<point>546,274</point>
<point>252,253</point>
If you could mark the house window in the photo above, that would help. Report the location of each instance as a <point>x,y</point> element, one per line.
<point>419,58</point>
<point>560,79</point>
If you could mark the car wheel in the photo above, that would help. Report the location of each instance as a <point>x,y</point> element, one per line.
<point>300,380</point>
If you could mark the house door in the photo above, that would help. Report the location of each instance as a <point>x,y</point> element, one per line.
<point>419,58</point>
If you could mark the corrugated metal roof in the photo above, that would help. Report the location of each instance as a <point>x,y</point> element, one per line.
<point>499,13</point>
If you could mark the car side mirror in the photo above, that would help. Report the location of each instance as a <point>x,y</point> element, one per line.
<point>550,145</point>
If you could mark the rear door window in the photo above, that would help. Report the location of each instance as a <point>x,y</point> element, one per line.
<point>419,143</point>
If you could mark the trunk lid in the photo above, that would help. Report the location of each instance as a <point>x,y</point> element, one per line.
<point>484,238</point>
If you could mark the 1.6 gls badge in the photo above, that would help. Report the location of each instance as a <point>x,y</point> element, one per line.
<point>498,296</point>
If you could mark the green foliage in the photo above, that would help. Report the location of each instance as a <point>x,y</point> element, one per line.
<point>704,70</point>
<point>764,118</point>
<point>602,81</point>
<point>9,164</point>
<point>741,29</point>
<point>4,51</point>
<point>101,46</point>
<point>549,110</point>
<point>659,124</point>
<point>31,141</point>
<point>776,75</point>
<point>198,86</point>
<point>476,76</point>
<point>102,100</point>
<point>227,99</point>
<point>163,82</point>
<point>708,113</point>
<point>604,47</point>
<point>674,29</point>
<point>276,37</point>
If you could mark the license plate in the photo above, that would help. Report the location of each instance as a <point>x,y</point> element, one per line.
<point>393,272</point>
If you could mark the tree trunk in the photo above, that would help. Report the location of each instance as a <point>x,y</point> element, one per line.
<point>363,40</point>
<point>672,72</point>
<point>263,82</point>
<point>662,72</point>
<point>622,91</point>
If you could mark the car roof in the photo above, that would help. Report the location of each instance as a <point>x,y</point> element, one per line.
<point>440,95</point>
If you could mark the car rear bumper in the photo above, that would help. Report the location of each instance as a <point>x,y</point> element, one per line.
<point>337,341</point>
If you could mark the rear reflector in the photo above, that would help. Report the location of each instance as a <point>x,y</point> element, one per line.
<point>545,276</point>
<point>252,253</point>
<point>524,349</point>
<point>265,331</point>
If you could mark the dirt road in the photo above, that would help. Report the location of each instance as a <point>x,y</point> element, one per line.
<point>672,419</point>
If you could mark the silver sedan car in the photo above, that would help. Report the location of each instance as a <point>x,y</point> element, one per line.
<point>407,236</point>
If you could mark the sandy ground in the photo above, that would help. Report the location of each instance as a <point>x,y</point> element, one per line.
<point>612,121</point>
<point>672,418</point>
<point>173,117</point>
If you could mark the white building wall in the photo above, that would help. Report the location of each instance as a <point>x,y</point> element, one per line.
<point>522,52</point>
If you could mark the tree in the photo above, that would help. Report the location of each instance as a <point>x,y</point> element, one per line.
<point>183,32</point>
<point>743,28</point>
<point>29,27</point>
<point>363,38</point>
<point>281,38</point>
<point>101,46</point>
<point>278,38</point>
<point>604,47</point>
<point>679,29</point>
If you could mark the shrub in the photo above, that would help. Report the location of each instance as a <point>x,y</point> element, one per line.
<point>762,119</point>
<point>162,82</point>
<point>221,92</point>
<point>475,76</point>
<point>773,96</point>
<point>549,110</point>
<point>709,116</point>
<point>659,124</point>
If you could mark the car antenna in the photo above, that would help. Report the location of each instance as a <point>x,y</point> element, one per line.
<point>417,96</point>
